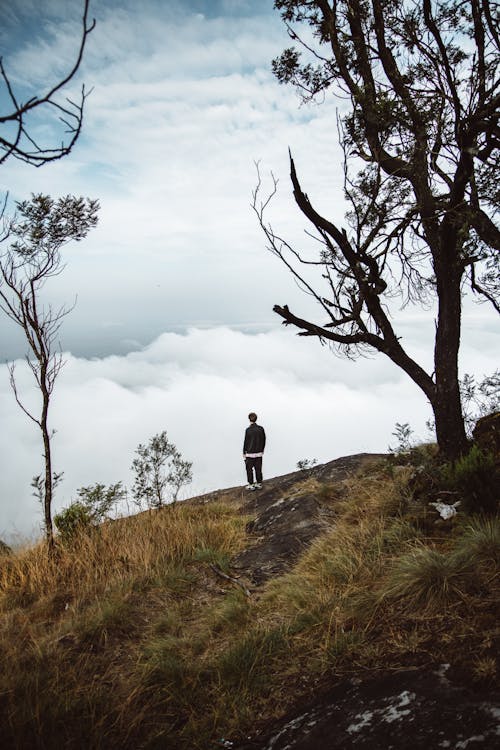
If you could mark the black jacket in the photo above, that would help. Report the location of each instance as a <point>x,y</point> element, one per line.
<point>255,439</point>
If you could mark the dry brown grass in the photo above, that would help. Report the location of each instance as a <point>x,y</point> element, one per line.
<point>139,546</point>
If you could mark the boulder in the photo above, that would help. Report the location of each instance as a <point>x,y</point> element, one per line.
<point>486,433</point>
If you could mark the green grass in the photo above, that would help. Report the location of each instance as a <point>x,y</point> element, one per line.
<point>427,579</point>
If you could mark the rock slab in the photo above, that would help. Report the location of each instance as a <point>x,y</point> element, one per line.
<point>405,711</point>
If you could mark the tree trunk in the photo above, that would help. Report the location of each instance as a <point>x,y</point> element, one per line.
<point>450,430</point>
<point>47,495</point>
<point>447,407</point>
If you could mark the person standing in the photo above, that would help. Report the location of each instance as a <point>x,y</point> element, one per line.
<point>253,450</point>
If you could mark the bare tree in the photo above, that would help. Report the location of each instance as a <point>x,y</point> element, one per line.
<point>16,134</point>
<point>421,141</point>
<point>41,227</point>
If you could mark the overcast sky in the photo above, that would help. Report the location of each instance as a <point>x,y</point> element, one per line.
<point>173,327</point>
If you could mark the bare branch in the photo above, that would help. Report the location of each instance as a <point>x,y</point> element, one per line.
<point>11,367</point>
<point>23,145</point>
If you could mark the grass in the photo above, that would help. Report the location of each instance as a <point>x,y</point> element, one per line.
<point>427,579</point>
<point>127,638</point>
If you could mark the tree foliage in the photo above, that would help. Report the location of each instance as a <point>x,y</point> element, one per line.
<point>17,131</point>
<point>160,472</point>
<point>38,232</point>
<point>419,95</point>
<point>479,399</point>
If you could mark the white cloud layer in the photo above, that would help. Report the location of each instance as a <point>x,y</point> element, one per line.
<point>200,387</point>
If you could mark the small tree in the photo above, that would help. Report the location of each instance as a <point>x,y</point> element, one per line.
<point>403,434</point>
<point>158,469</point>
<point>41,227</point>
<point>17,138</point>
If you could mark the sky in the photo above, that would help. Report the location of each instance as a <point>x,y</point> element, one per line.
<point>173,326</point>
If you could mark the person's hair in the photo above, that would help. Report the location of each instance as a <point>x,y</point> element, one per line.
<point>252,417</point>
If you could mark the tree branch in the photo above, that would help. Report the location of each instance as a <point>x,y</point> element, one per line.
<point>39,155</point>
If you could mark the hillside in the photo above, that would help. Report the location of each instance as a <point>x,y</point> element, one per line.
<point>333,608</point>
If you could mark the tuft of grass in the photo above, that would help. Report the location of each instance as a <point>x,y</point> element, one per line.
<point>218,557</point>
<point>427,579</point>
<point>112,616</point>
<point>480,541</point>
<point>485,670</point>
<point>248,665</point>
<point>234,612</point>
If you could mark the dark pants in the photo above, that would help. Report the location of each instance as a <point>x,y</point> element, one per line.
<point>251,464</point>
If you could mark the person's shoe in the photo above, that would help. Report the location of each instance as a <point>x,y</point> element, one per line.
<point>250,487</point>
<point>257,486</point>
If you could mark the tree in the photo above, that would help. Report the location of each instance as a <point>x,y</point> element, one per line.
<point>159,468</point>
<point>419,129</point>
<point>42,226</point>
<point>17,137</point>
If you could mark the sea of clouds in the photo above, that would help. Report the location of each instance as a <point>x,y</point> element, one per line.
<point>199,387</point>
<point>182,106</point>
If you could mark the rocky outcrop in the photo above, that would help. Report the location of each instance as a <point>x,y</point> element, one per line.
<point>288,517</point>
<point>281,531</point>
<point>415,709</point>
<point>410,710</point>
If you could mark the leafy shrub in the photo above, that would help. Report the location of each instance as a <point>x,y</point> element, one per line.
<point>4,549</point>
<point>474,478</point>
<point>479,399</point>
<point>72,520</point>
<point>94,504</point>
<point>403,434</point>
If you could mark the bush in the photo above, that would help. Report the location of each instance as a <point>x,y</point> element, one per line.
<point>72,520</point>
<point>307,464</point>
<point>4,549</point>
<point>474,478</point>
<point>93,506</point>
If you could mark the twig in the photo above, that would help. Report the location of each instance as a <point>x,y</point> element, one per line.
<point>220,573</point>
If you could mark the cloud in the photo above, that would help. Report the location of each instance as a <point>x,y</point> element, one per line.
<point>199,387</point>
<point>182,106</point>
